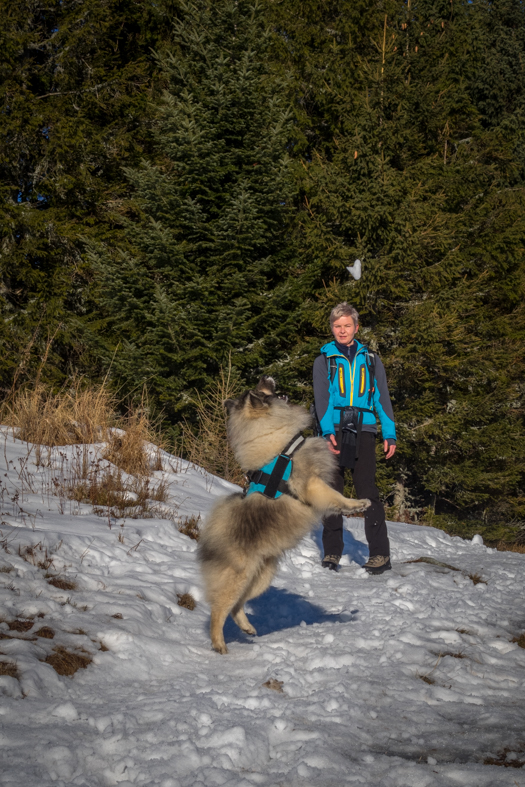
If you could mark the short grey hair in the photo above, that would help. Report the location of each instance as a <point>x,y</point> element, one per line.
<point>343,310</point>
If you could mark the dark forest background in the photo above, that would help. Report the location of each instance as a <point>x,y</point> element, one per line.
<point>184,183</point>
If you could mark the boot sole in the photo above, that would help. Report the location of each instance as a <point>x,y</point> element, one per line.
<point>380,570</point>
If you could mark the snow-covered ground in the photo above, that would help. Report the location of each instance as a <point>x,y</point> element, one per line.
<point>409,679</point>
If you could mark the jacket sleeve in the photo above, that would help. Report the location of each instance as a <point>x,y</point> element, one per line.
<point>322,395</point>
<point>382,403</point>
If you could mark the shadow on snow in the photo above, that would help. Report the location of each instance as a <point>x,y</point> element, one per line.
<point>279,609</point>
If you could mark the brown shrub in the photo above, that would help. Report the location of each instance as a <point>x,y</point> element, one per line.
<point>65,662</point>
<point>190,527</point>
<point>186,600</point>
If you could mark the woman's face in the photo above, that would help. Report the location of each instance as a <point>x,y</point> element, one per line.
<point>344,329</point>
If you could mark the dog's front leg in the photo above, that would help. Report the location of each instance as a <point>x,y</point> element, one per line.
<point>323,498</point>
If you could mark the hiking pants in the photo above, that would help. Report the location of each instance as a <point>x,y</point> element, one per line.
<point>364,477</point>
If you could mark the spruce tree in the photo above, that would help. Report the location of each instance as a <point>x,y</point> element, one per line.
<point>75,80</point>
<point>207,233</point>
<point>431,201</point>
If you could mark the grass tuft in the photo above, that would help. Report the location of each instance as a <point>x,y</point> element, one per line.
<point>502,759</point>
<point>205,443</point>
<point>77,415</point>
<point>9,668</point>
<point>128,450</point>
<point>65,662</point>
<point>190,527</point>
<point>275,685</point>
<point>186,600</point>
<point>21,625</point>
<point>476,578</point>
<point>37,555</point>
<point>520,640</point>
<point>112,495</point>
<point>427,679</point>
<point>62,583</point>
<point>45,632</point>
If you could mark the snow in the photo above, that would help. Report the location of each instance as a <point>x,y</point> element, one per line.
<point>409,679</point>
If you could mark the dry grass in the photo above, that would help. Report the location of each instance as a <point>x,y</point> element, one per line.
<point>190,527</point>
<point>427,679</point>
<point>65,662</point>
<point>502,760</point>
<point>477,579</point>
<point>113,495</point>
<point>128,451</point>
<point>84,415</point>
<point>77,415</point>
<point>186,600</point>
<point>21,625</point>
<point>9,668</point>
<point>275,685</point>
<point>45,632</point>
<point>206,444</point>
<point>37,555</point>
<point>61,583</point>
<point>504,546</point>
<point>458,655</point>
<point>520,640</point>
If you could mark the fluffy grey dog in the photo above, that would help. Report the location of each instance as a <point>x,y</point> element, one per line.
<point>244,537</point>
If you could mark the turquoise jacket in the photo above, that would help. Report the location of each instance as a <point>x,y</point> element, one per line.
<point>351,386</point>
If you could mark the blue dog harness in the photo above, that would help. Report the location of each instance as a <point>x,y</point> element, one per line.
<point>271,480</point>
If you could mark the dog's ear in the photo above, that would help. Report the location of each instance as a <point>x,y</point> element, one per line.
<point>266,385</point>
<point>256,401</point>
<point>229,404</point>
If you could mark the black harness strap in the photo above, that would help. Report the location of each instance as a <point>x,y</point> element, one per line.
<point>274,481</point>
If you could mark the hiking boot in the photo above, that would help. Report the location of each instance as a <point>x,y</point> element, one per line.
<point>377,564</point>
<point>331,562</point>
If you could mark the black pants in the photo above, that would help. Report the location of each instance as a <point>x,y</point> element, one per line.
<point>364,477</point>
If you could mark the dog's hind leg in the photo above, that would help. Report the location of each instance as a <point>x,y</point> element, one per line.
<point>323,498</point>
<point>256,586</point>
<point>229,587</point>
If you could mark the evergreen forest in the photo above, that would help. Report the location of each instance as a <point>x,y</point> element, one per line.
<point>184,183</point>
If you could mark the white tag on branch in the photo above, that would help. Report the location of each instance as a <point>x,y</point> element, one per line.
<point>355,269</point>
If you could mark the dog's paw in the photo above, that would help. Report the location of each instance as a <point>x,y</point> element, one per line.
<point>356,505</point>
<point>219,647</point>
<point>251,631</point>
